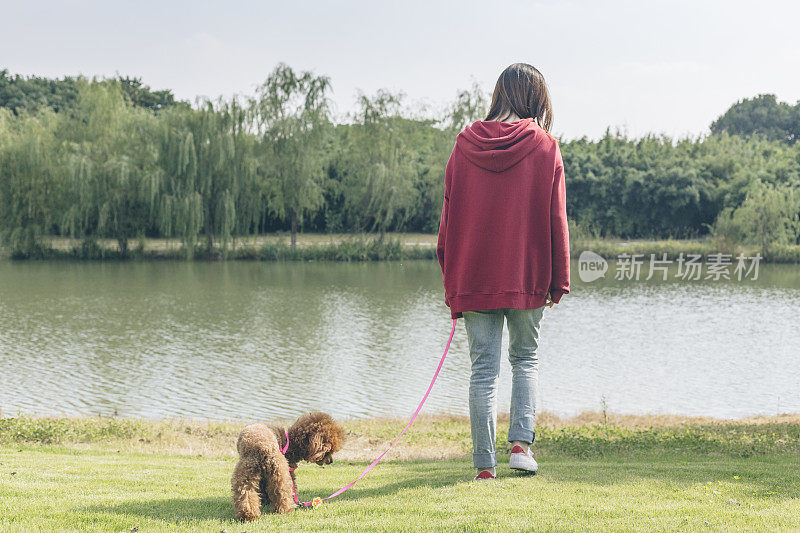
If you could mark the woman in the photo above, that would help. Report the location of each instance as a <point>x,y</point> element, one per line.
<point>504,251</point>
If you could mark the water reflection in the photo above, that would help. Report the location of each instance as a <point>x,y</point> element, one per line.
<point>251,340</point>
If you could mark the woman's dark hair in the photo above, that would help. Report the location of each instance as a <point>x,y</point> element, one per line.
<point>521,90</point>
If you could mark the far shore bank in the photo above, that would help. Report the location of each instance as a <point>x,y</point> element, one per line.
<point>368,247</point>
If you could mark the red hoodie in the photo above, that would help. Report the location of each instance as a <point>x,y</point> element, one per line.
<point>503,239</point>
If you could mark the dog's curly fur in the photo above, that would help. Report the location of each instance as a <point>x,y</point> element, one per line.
<point>262,475</point>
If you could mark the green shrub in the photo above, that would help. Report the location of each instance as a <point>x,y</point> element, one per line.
<point>67,430</point>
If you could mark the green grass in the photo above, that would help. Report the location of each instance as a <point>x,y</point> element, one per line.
<point>57,488</point>
<point>598,472</point>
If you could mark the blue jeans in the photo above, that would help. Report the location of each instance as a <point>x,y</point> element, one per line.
<point>485,334</point>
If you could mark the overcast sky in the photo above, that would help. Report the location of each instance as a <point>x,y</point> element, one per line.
<point>643,66</point>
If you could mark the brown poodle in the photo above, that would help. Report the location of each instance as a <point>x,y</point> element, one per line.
<point>265,475</point>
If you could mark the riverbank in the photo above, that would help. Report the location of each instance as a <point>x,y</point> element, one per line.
<point>433,437</point>
<point>613,248</point>
<point>597,472</point>
<point>367,247</point>
<point>310,247</point>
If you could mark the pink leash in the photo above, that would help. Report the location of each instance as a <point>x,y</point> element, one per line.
<point>318,501</point>
<point>286,447</point>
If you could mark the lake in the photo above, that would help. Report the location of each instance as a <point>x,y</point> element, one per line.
<point>259,340</point>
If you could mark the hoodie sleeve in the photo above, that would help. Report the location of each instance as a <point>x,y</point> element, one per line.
<point>559,233</point>
<point>440,245</point>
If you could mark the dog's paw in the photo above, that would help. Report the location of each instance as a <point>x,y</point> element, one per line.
<point>248,515</point>
<point>284,507</point>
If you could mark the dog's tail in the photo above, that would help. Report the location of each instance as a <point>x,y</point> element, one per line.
<point>256,440</point>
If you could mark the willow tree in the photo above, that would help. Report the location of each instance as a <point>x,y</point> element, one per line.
<point>180,206</point>
<point>113,180</point>
<point>209,160</point>
<point>215,181</point>
<point>769,215</point>
<point>244,192</point>
<point>291,117</point>
<point>29,179</point>
<point>379,162</point>
<point>470,105</point>
<point>430,148</point>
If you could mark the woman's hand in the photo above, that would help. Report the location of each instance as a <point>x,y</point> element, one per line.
<point>549,301</point>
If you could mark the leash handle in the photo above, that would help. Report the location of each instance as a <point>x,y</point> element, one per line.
<point>318,501</point>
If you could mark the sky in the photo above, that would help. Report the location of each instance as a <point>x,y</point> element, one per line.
<point>647,66</point>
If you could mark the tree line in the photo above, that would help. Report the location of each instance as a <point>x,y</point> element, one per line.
<point>111,158</point>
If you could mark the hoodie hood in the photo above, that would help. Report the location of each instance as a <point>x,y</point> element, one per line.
<point>497,146</point>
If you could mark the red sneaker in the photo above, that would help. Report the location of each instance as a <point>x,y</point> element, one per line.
<point>484,475</point>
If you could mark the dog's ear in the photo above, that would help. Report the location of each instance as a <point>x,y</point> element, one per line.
<point>317,448</point>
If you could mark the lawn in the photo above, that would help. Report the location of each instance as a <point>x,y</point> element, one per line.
<point>618,474</point>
